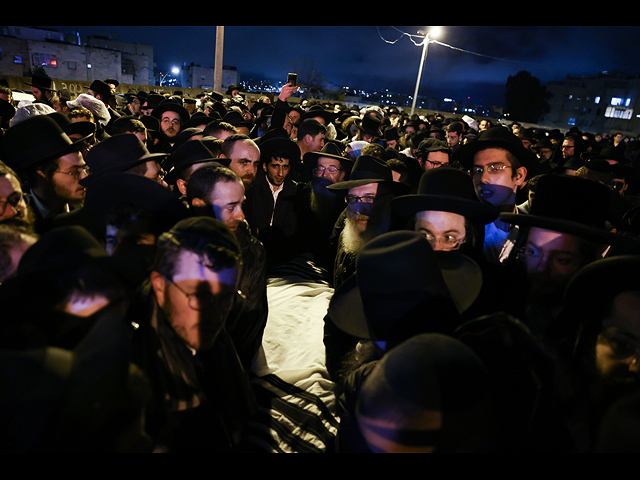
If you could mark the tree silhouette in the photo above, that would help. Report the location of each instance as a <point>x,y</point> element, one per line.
<point>526,99</point>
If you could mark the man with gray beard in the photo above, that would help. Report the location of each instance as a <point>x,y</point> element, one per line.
<point>367,194</point>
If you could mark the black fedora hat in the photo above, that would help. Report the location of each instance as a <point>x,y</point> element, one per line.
<point>118,153</point>
<point>369,169</point>
<point>107,191</point>
<point>319,111</point>
<point>187,154</point>
<point>35,140</point>
<point>102,88</point>
<point>395,273</point>
<point>169,105</point>
<point>370,124</point>
<point>279,144</point>
<point>448,190</point>
<point>41,83</point>
<point>572,205</point>
<point>499,137</point>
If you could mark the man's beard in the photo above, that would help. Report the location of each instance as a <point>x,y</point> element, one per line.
<point>352,237</point>
<point>26,219</point>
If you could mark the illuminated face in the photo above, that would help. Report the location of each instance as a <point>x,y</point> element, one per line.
<point>443,230</point>
<point>196,285</point>
<point>568,147</point>
<point>226,200</point>
<point>494,178</point>
<point>170,124</point>
<point>315,144</point>
<point>12,202</point>
<point>245,157</point>
<point>329,168</point>
<point>453,138</point>
<point>65,180</point>
<point>277,170</point>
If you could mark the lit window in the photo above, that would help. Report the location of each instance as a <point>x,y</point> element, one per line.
<point>616,101</point>
<point>597,100</point>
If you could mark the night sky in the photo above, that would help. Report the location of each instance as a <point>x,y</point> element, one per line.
<point>474,62</point>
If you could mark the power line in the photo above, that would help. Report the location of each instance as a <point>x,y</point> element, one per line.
<point>403,34</point>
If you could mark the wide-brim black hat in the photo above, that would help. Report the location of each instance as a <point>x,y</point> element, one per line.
<point>36,140</point>
<point>188,154</point>
<point>319,111</point>
<point>41,83</point>
<point>572,205</point>
<point>370,124</point>
<point>310,159</point>
<point>118,153</point>
<point>447,190</point>
<point>109,190</point>
<point>169,105</point>
<point>279,144</point>
<point>369,169</point>
<point>395,273</point>
<point>499,137</point>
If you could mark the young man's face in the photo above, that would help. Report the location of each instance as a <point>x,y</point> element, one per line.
<point>444,230</point>
<point>226,200</point>
<point>197,299</point>
<point>277,170</point>
<point>12,202</point>
<point>494,178</point>
<point>170,124</point>
<point>65,180</point>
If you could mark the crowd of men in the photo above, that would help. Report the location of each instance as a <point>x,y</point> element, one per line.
<point>486,295</point>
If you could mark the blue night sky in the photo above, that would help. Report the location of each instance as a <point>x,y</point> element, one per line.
<point>475,61</point>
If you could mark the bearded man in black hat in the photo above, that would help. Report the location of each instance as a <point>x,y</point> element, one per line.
<point>42,89</point>
<point>50,163</point>
<point>368,194</point>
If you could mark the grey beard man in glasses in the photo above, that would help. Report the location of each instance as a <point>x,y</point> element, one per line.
<point>201,399</point>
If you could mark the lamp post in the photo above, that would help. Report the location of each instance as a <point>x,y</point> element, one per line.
<point>425,48</point>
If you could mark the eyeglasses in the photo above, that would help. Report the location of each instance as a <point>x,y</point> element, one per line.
<point>321,170</point>
<point>175,121</point>
<point>17,200</point>
<point>492,169</point>
<point>204,299</point>
<point>77,172</point>
<point>353,199</point>
<point>448,242</point>
<point>436,164</point>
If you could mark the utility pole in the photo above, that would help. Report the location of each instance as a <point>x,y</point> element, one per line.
<point>217,71</point>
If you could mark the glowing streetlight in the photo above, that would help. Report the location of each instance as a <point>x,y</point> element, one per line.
<point>174,70</point>
<point>434,32</point>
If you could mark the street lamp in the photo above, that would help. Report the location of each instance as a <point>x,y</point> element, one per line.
<point>174,70</point>
<point>435,32</point>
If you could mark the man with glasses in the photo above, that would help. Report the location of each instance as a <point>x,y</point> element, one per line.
<point>50,163</point>
<point>14,204</point>
<point>500,166</point>
<point>201,398</point>
<point>367,194</point>
<point>171,115</point>
<point>433,153</point>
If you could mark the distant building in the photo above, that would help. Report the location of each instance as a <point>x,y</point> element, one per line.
<point>608,102</point>
<point>69,57</point>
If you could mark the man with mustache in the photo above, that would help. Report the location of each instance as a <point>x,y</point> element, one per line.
<point>216,191</point>
<point>244,156</point>
<point>368,194</point>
